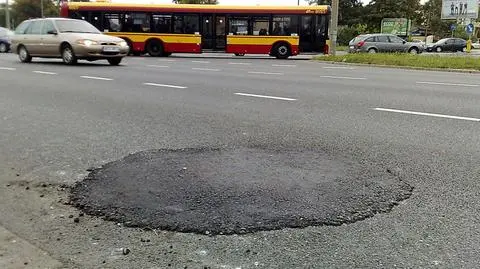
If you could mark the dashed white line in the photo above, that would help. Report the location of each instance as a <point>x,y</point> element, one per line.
<point>8,68</point>
<point>164,85</point>
<point>284,65</point>
<point>157,66</point>
<point>206,69</point>
<point>337,67</point>
<point>427,114</point>
<point>446,84</point>
<point>266,96</point>
<point>166,60</point>
<point>240,63</point>
<point>336,77</point>
<point>97,78</point>
<point>201,62</point>
<point>45,73</point>
<point>265,73</point>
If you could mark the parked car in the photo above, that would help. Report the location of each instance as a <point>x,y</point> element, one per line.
<point>5,39</point>
<point>476,45</point>
<point>448,44</point>
<point>373,43</point>
<point>68,39</point>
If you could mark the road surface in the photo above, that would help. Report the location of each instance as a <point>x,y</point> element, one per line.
<point>422,127</point>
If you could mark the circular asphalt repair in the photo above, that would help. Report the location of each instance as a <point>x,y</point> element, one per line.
<point>236,190</point>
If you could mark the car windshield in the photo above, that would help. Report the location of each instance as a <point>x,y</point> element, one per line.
<point>76,26</point>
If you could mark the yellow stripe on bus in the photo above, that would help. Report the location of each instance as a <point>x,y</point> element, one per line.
<point>167,38</point>
<point>260,40</point>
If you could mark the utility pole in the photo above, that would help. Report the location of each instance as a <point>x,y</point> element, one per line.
<point>41,8</point>
<point>334,28</point>
<point>7,15</point>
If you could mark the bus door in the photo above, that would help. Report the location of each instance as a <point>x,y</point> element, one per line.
<point>321,31</point>
<point>207,32</point>
<point>220,32</point>
<point>307,34</point>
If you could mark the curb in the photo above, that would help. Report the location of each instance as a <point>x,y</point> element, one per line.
<point>471,71</point>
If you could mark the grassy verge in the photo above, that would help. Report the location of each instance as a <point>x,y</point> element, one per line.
<point>341,48</point>
<point>407,60</point>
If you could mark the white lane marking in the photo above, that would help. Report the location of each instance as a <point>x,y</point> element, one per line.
<point>45,73</point>
<point>265,96</point>
<point>97,78</point>
<point>336,77</point>
<point>206,69</point>
<point>166,60</point>
<point>426,114</point>
<point>157,66</point>
<point>201,62</point>
<point>284,65</point>
<point>265,73</point>
<point>8,68</point>
<point>164,85</point>
<point>446,84</point>
<point>337,67</point>
<point>240,63</point>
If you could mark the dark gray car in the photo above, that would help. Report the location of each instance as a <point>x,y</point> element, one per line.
<point>373,43</point>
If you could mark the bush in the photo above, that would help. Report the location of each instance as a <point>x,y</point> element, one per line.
<point>345,34</point>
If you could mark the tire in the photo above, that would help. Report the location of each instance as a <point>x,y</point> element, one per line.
<point>155,48</point>
<point>372,50</point>
<point>239,54</point>
<point>413,51</point>
<point>68,56</point>
<point>464,49</point>
<point>23,54</point>
<point>114,61</point>
<point>3,48</point>
<point>438,49</point>
<point>282,51</point>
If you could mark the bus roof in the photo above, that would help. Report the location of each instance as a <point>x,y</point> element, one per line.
<point>186,8</point>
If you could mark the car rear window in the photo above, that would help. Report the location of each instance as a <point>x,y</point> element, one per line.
<point>357,39</point>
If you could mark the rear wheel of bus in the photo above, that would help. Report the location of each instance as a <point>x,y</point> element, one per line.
<point>281,50</point>
<point>155,48</point>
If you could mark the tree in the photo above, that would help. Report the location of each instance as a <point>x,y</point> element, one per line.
<point>379,9</point>
<point>25,9</point>
<point>202,2</point>
<point>350,11</point>
<point>431,14</point>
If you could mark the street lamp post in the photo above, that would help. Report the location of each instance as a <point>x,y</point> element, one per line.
<point>7,15</point>
<point>41,8</point>
<point>334,28</point>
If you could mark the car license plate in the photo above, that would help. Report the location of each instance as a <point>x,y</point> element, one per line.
<point>111,49</point>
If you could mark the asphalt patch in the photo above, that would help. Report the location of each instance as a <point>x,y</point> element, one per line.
<point>237,190</point>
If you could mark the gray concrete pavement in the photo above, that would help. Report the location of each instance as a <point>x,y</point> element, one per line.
<point>57,121</point>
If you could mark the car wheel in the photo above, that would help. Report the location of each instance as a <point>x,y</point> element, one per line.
<point>413,51</point>
<point>3,48</point>
<point>439,49</point>
<point>372,50</point>
<point>282,51</point>
<point>114,61</point>
<point>68,56</point>
<point>23,55</point>
<point>464,49</point>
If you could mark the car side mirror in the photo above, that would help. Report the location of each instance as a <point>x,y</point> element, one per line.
<point>52,32</point>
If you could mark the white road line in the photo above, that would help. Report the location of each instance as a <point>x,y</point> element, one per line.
<point>8,68</point>
<point>157,66</point>
<point>284,65</point>
<point>201,62</point>
<point>265,96</point>
<point>335,77</point>
<point>446,84</point>
<point>97,78</point>
<point>164,85</point>
<point>426,114</point>
<point>166,60</point>
<point>265,73</point>
<point>240,63</point>
<point>45,73</point>
<point>206,69</point>
<point>337,67</point>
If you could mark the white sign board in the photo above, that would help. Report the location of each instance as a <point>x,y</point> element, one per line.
<point>457,9</point>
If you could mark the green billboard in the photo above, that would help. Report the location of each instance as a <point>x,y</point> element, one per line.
<point>395,26</point>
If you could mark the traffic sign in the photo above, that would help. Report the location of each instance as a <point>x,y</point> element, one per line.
<point>469,28</point>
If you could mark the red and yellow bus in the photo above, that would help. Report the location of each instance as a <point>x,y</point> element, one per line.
<point>161,30</point>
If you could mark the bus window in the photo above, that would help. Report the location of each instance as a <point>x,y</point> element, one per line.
<point>137,22</point>
<point>178,24</point>
<point>79,15</point>
<point>96,20</point>
<point>238,26</point>
<point>322,24</point>
<point>260,25</point>
<point>191,24</point>
<point>112,22</point>
<point>285,25</point>
<point>162,23</point>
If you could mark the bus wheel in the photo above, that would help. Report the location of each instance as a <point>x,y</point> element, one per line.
<point>239,54</point>
<point>281,51</point>
<point>155,48</point>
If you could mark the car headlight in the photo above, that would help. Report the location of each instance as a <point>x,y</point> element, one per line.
<point>87,42</point>
<point>123,44</point>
